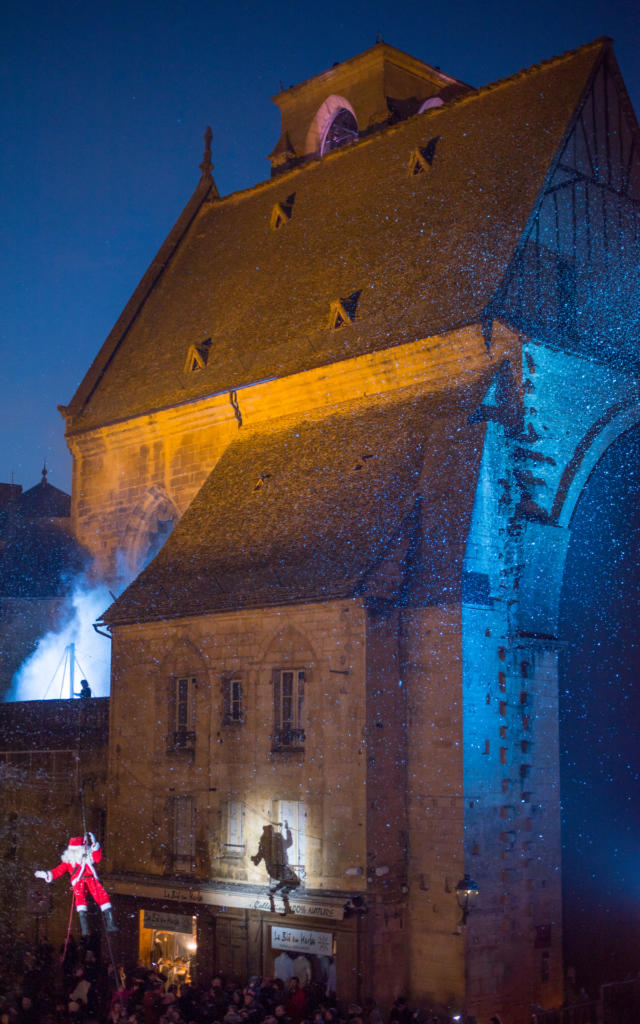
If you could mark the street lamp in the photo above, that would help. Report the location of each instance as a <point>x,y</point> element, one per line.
<point>466,893</point>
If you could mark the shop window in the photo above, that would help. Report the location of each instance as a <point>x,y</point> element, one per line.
<point>233,700</point>
<point>168,941</point>
<point>234,844</point>
<point>183,844</point>
<point>291,821</point>
<point>182,733</point>
<point>288,702</point>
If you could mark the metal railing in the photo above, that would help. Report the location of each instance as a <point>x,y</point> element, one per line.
<point>288,739</point>
<point>183,739</point>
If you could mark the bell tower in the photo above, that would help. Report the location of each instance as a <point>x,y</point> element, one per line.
<point>353,98</point>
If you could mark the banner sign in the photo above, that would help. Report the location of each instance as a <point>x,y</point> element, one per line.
<point>318,943</point>
<point>168,922</point>
<point>326,907</point>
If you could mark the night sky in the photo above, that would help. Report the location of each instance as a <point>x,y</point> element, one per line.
<point>104,109</point>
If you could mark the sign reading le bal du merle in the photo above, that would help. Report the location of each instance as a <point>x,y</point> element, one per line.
<point>318,943</point>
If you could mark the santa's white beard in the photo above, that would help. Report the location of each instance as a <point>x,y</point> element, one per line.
<point>72,855</point>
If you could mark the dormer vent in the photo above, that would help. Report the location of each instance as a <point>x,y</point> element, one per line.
<point>197,356</point>
<point>422,158</point>
<point>343,311</point>
<point>282,212</point>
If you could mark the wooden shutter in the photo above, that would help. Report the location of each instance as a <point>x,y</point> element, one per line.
<point>171,710</point>
<point>275,679</point>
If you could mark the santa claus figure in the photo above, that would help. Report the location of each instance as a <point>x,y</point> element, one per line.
<point>79,859</point>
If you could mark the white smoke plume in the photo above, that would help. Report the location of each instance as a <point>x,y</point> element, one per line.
<point>45,675</point>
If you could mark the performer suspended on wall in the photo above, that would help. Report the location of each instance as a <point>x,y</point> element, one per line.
<point>272,848</point>
<point>79,859</point>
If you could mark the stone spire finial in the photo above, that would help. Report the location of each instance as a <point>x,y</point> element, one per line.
<point>207,166</point>
<point>44,472</point>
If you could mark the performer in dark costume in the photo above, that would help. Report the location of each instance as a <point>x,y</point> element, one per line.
<point>272,849</point>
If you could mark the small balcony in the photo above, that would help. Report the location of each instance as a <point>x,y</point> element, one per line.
<point>182,740</point>
<point>288,739</point>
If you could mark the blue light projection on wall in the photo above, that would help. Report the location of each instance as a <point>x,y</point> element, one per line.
<point>600,619</point>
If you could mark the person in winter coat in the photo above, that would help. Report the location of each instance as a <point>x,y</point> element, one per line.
<point>79,860</point>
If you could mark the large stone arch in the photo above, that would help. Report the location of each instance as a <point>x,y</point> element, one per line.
<point>599,629</point>
<point>601,435</point>
<point>545,541</point>
<point>148,526</point>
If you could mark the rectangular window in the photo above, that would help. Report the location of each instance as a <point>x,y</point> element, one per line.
<point>291,821</point>
<point>233,700</point>
<point>288,701</point>
<point>183,839</point>
<point>234,830</point>
<point>183,734</point>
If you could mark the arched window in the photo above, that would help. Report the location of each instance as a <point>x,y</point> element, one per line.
<point>334,125</point>
<point>340,131</point>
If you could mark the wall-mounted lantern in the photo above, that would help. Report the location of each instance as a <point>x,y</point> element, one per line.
<point>466,895</point>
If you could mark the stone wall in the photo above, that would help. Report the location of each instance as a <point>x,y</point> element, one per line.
<point>129,476</point>
<point>236,762</point>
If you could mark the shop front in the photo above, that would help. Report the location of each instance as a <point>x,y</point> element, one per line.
<point>169,942</point>
<point>192,934</point>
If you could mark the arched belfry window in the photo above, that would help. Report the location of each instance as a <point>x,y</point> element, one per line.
<point>342,130</point>
<point>334,125</point>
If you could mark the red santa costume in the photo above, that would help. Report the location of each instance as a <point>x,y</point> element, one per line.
<point>78,860</point>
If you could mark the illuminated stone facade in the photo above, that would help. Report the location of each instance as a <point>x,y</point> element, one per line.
<point>369,393</point>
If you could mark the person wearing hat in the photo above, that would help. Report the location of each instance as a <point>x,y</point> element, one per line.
<point>79,860</point>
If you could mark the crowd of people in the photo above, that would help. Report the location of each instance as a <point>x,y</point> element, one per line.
<point>38,986</point>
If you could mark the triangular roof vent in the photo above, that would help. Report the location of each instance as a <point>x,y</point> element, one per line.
<point>197,356</point>
<point>343,311</point>
<point>421,158</point>
<point>282,212</point>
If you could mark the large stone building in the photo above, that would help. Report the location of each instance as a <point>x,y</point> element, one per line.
<point>370,392</point>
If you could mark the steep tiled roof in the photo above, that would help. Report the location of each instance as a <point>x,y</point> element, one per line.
<point>306,510</point>
<point>426,252</point>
